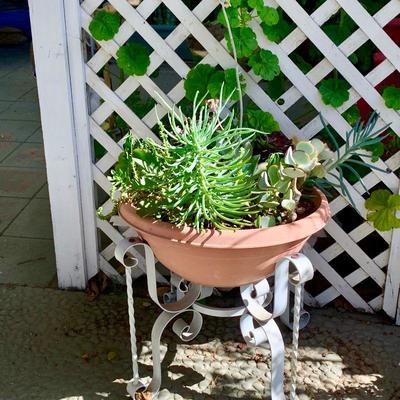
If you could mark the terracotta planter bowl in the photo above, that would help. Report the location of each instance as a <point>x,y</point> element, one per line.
<point>227,258</point>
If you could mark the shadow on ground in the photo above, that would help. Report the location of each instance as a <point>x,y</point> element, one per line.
<point>57,345</point>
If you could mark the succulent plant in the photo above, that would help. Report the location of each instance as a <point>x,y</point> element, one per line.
<point>282,178</point>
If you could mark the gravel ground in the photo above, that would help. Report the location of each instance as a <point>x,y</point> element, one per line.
<point>58,345</point>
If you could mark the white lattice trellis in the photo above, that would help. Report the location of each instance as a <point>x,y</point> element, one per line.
<point>384,268</point>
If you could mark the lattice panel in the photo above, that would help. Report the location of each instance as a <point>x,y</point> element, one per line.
<point>344,245</point>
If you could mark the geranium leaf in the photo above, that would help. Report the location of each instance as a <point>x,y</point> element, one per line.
<point>257,4</point>
<point>265,64</point>
<point>334,92</point>
<point>233,17</point>
<point>262,121</point>
<point>245,41</point>
<point>391,95</point>
<point>133,59</point>
<point>238,3</point>
<point>228,79</point>
<point>377,151</point>
<point>276,33</point>
<point>104,25</point>
<point>352,115</point>
<point>268,15</point>
<point>383,207</point>
<point>197,81</point>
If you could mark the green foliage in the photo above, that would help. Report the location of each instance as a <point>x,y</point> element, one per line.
<point>105,25</point>
<point>276,33</point>
<point>357,139</point>
<point>244,40</point>
<point>382,207</point>
<point>268,15</point>
<point>207,82</point>
<point>334,92</point>
<point>197,81</point>
<point>352,115</point>
<point>261,121</point>
<point>225,81</point>
<point>213,180</point>
<point>391,95</point>
<point>233,17</point>
<point>265,64</point>
<point>133,59</point>
<point>377,150</point>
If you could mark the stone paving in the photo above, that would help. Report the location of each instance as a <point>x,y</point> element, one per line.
<point>59,345</point>
<point>25,222</point>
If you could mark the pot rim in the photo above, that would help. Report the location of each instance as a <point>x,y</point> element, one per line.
<point>239,239</point>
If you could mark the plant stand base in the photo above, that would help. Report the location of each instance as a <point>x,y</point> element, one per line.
<point>262,304</point>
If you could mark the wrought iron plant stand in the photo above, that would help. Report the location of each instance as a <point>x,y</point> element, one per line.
<point>262,304</point>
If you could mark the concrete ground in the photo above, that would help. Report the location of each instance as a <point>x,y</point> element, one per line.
<point>26,245</point>
<point>58,345</point>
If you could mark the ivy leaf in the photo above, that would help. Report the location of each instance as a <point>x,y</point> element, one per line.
<point>265,64</point>
<point>245,41</point>
<point>133,59</point>
<point>334,92</point>
<point>383,206</point>
<point>276,33</point>
<point>268,15</point>
<point>105,25</point>
<point>197,81</point>
<point>228,79</point>
<point>262,121</point>
<point>233,17</point>
<point>391,95</point>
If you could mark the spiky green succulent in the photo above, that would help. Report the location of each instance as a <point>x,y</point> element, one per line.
<point>202,175</point>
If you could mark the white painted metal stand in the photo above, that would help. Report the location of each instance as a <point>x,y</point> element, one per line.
<point>256,322</point>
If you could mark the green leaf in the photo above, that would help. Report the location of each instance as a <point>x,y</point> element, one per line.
<point>334,92</point>
<point>262,121</point>
<point>265,64</point>
<point>336,32</point>
<point>245,41</point>
<point>268,15</point>
<point>228,79</point>
<point>105,25</point>
<point>352,115</point>
<point>197,81</point>
<point>238,3</point>
<point>383,206</point>
<point>377,151</point>
<point>276,33</point>
<point>266,221</point>
<point>233,17</point>
<point>391,95</point>
<point>257,4</point>
<point>133,59</point>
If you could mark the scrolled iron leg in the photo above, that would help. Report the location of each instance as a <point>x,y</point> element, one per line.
<point>257,323</point>
<point>185,300</point>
